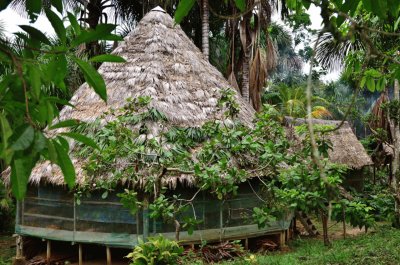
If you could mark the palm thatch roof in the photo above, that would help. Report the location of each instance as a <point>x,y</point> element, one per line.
<point>346,148</point>
<point>163,63</point>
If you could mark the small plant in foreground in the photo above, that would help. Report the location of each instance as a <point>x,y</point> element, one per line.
<point>157,251</point>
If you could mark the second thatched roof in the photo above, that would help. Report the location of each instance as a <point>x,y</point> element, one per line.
<point>346,148</point>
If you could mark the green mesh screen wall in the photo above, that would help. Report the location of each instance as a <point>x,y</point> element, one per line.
<point>51,213</point>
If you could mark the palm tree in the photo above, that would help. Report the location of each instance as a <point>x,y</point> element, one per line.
<point>205,25</point>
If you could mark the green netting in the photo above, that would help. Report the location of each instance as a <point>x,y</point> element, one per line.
<point>51,213</point>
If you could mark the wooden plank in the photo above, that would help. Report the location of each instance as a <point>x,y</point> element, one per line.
<point>48,216</point>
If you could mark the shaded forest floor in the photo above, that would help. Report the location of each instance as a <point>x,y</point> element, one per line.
<point>7,248</point>
<point>379,246</point>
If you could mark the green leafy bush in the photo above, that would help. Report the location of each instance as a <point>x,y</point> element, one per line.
<point>157,251</point>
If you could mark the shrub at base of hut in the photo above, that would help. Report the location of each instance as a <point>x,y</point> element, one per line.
<point>157,251</point>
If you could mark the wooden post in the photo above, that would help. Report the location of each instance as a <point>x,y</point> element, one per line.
<point>108,251</point>
<point>145,218</point>
<point>80,255</point>
<point>246,243</point>
<point>344,222</point>
<point>282,239</point>
<point>19,246</point>
<point>48,252</point>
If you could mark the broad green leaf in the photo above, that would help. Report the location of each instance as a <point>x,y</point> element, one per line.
<point>51,151</point>
<point>50,112</point>
<point>34,75</point>
<point>64,143</point>
<point>63,124</point>
<point>39,142</point>
<point>57,24</point>
<point>24,139</point>
<point>35,34</point>
<point>33,7</point>
<point>57,69</point>
<point>107,58</point>
<point>81,138</point>
<point>350,6</point>
<point>380,84</point>
<point>20,172</point>
<point>58,5</point>
<point>74,23</point>
<point>373,73</point>
<point>379,8</point>
<point>291,4</point>
<point>363,80</point>
<point>183,10</point>
<point>65,163</point>
<point>241,4</point>
<point>6,131</point>
<point>371,84</point>
<point>98,33</point>
<point>112,37</point>
<point>93,78</point>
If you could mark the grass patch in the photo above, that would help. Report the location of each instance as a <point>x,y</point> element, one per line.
<point>380,247</point>
<point>7,249</point>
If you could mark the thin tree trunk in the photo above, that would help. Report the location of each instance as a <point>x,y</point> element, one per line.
<point>205,24</point>
<point>94,13</point>
<point>324,220</point>
<point>396,163</point>
<point>245,76</point>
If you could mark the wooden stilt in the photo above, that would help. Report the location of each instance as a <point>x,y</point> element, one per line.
<point>48,252</point>
<point>246,244</point>
<point>80,255</point>
<point>19,246</point>
<point>108,255</point>
<point>192,246</point>
<point>282,241</point>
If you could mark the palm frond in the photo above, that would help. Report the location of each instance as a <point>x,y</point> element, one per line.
<point>331,53</point>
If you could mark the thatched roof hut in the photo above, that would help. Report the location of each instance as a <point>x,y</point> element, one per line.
<point>163,63</point>
<point>346,148</point>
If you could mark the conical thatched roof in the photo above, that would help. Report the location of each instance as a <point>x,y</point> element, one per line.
<point>346,149</point>
<point>163,63</point>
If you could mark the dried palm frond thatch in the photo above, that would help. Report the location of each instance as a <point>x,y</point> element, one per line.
<point>346,149</point>
<point>163,63</point>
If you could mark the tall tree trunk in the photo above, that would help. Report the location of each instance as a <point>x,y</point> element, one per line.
<point>245,75</point>
<point>395,130</point>
<point>205,25</point>
<point>94,12</point>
